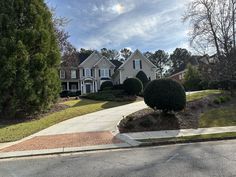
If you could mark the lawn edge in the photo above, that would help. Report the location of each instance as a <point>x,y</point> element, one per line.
<point>194,139</point>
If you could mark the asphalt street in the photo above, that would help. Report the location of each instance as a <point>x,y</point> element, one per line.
<point>211,159</point>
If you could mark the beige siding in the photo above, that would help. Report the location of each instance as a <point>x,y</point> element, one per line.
<point>128,71</point>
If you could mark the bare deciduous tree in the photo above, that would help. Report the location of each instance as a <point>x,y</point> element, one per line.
<point>213,25</point>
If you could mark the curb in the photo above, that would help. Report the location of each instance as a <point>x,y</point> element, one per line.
<point>20,154</point>
<point>146,144</point>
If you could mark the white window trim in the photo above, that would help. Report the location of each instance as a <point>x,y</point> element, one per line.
<point>62,74</point>
<point>73,76</point>
<point>137,64</point>
<point>104,73</point>
<point>89,71</point>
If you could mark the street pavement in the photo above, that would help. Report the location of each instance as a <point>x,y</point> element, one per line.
<point>209,159</point>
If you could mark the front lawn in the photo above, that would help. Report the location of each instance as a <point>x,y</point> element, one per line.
<point>202,94</point>
<point>219,117</point>
<point>12,132</point>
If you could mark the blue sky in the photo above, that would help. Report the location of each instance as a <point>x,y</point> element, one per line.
<point>148,25</point>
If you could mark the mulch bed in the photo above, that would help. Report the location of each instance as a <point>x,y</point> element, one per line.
<point>150,120</point>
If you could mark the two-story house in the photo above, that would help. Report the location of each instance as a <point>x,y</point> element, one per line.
<point>88,75</point>
<point>93,71</point>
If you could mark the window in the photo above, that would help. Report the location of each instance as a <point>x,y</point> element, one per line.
<point>104,72</point>
<point>137,64</point>
<point>62,74</point>
<point>87,72</point>
<point>64,87</point>
<point>73,87</point>
<point>73,74</point>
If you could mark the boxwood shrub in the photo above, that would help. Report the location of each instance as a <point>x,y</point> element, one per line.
<point>133,86</point>
<point>166,95</point>
<point>106,85</point>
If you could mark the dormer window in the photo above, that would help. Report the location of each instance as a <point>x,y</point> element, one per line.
<point>73,74</point>
<point>62,74</point>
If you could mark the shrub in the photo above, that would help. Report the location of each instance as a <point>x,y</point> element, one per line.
<point>221,99</point>
<point>109,95</point>
<point>118,87</point>
<point>192,79</point>
<point>203,85</point>
<point>166,95</point>
<point>143,78</point>
<point>213,84</point>
<point>224,85</point>
<point>133,86</point>
<point>106,85</point>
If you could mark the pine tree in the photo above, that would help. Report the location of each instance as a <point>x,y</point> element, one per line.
<point>29,58</point>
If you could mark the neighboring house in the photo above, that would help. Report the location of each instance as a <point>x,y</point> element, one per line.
<point>69,75</point>
<point>88,76</point>
<point>179,76</point>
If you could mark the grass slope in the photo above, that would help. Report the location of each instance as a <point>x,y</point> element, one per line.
<point>18,131</point>
<point>202,94</point>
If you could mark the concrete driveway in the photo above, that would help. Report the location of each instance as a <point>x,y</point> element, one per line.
<point>105,120</point>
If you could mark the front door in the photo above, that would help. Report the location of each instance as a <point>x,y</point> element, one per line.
<point>88,88</point>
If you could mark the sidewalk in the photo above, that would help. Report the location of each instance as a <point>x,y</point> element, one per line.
<point>178,133</point>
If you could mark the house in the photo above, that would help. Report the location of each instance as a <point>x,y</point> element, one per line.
<point>179,76</point>
<point>131,67</point>
<point>88,76</point>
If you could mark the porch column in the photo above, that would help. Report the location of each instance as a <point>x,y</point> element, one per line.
<point>68,86</point>
<point>78,86</point>
<point>96,86</point>
<point>81,87</point>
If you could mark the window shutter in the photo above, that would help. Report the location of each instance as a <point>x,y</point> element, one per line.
<point>99,73</point>
<point>141,67</point>
<point>83,73</point>
<point>133,64</point>
<point>109,72</point>
<point>91,72</point>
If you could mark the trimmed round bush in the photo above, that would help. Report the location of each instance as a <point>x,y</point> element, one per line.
<point>166,95</point>
<point>142,77</point>
<point>106,85</point>
<point>133,86</point>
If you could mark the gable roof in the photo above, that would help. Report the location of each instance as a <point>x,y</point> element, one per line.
<point>104,58</point>
<point>91,56</point>
<point>117,63</point>
<point>132,55</point>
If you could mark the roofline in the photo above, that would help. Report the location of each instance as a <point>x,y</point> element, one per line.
<point>90,56</point>
<point>105,59</point>
<point>136,51</point>
<point>178,73</point>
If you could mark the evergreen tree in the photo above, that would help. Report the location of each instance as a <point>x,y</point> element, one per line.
<point>192,78</point>
<point>29,58</point>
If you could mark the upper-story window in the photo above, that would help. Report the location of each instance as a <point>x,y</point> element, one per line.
<point>62,74</point>
<point>104,72</point>
<point>73,74</point>
<point>87,72</point>
<point>137,64</point>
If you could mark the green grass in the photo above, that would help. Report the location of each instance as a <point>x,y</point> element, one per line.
<point>191,138</point>
<point>18,131</point>
<point>219,117</point>
<point>202,94</point>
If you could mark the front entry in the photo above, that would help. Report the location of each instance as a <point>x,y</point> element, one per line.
<point>88,88</point>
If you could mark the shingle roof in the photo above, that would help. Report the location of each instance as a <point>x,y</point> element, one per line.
<point>117,63</point>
